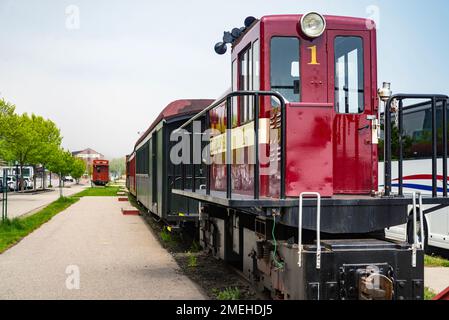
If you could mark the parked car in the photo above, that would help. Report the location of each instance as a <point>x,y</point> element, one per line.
<point>68,179</point>
<point>12,185</point>
<point>29,184</point>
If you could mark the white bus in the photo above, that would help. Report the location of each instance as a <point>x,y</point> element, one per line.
<point>14,172</point>
<point>28,171</point>
<point>418,174</point>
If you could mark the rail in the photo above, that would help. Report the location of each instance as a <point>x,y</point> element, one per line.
<point>434,99</point>
<point>318,227</point>
<point>443,295</point>
<point>228,100</point>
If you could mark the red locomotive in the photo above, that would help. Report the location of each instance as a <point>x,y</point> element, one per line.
<point>100,172</point>
<point>283,170</point>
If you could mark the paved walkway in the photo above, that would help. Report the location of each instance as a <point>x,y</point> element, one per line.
<point>22,204</point>
<point>437,279</point>
<point>116,257</point>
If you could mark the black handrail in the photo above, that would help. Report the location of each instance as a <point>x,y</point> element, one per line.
<point>434,99</point>
<point>228,100</point>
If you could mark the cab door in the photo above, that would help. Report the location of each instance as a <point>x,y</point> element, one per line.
<point>349,72</point>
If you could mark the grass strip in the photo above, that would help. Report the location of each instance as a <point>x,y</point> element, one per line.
<point>99,192</point>
<point>13,231</point>
<point>435,262</point>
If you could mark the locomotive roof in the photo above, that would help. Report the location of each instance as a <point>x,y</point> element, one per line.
<point>332,21</point>
<point>175,109</point>
<point>336,20</point>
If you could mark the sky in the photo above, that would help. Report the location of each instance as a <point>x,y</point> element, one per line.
<point>103,70</point>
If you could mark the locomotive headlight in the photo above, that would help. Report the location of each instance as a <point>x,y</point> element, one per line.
<point>313,24</point>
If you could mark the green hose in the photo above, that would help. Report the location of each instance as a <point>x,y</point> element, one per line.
<point>278,265</point>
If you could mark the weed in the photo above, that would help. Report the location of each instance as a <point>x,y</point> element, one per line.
<point>166,236</point>
<point>429,294</point>
<point>228,294</point>
<point>195,247</point>
<point>193,260</point>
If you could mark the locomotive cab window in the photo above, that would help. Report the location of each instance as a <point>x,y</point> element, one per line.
<point>246,84</point>
<point>349,75</point>
<point>285,67</point>
<point>235,82</point>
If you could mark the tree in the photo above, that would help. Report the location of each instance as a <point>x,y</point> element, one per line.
<point>27,140</point>
<point>117,167</point>
<point>78,169</point>
<point>20,141</point>
<point>62,164</point>
<point>49,141</point>
<point>6,113</point>
<point>6,110</point>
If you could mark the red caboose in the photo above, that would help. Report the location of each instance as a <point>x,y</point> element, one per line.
<point>100,174</point>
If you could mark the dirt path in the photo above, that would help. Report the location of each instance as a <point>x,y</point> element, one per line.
<point>115,256</point>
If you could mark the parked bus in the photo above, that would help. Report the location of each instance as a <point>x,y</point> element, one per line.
<point>417,174</point>
<point>28,171</point>
<point>14,173</point>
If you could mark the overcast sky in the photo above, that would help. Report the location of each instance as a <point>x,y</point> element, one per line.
<point>106,79</point>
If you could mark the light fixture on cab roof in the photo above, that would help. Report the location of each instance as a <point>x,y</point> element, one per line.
<point>313,24</point>
<point>233,35</point>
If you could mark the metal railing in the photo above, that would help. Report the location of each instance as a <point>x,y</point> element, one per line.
<point>433,99</point>
<point>417,244</point>
<point>228,105</point>
<point>318,227</point>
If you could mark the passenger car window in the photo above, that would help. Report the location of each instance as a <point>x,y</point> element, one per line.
<point>417,138</point>
<point>284,58</point>
<point>418,131</point>
<point>349,75</point>
<point>143,160</point>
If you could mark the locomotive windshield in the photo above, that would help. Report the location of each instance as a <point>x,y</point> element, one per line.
<point>349,74</point>
<point>285,67</point>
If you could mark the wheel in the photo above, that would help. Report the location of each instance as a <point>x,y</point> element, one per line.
<point>410,237</point>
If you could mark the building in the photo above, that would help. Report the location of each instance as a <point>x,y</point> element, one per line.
<point>88,155</point>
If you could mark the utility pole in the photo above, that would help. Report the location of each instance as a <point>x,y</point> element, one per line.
<point>60,186</point>
<point>17,177</point>
<point>5,195</point>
